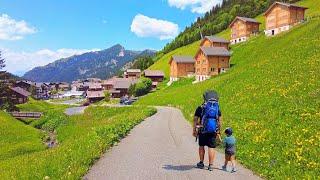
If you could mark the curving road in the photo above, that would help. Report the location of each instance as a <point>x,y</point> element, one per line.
<point>161,147</point>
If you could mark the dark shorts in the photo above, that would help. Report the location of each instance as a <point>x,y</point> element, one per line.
<point>229,152</point>
<point>207,139</point>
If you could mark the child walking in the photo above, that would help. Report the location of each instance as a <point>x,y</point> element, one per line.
<point>230,150</point>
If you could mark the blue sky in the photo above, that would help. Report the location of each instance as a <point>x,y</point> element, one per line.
<point>37,32</point>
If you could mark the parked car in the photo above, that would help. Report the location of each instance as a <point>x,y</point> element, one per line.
<point>87,103</point>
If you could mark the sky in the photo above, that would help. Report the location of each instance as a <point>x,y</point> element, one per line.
<point>37,32</point>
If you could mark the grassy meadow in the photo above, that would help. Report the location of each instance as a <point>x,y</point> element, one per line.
<point>270,97</point>
<point>81,140</point>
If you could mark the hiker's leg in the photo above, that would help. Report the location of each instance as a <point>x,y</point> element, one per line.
<point>226,159</point>
<point>211,154</point>
<point>201,153</point>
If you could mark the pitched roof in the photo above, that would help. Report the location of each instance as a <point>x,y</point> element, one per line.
<point>123,83</point>
<point>27,82</point>
<point>215,51</point>
<point>182,59</point>
<point>95,86</point>
<point>216,39</point>
<point>21,91</point>
<point>153,73</point>
<point>284,4</point>
<point>95,94</point>
<point>133,70</point>
<point>245,19</point>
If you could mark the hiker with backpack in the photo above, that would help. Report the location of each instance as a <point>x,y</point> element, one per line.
<point>206,127</point>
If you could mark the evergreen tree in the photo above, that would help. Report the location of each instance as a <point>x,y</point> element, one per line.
<point>2,62</point>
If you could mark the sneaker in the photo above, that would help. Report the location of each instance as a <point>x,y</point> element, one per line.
<point>200,165</point>
<point>224,168</point>
<point>234,170</point>
<point>210,167</point>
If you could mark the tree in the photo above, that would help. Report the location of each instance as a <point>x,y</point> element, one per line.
<point>107,96</point>
<point>5,92</point>
<point>143,87</point>
<point>2,62</point>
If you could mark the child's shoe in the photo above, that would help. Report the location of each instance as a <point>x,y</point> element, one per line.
<point>200,165</point>
<point>224,168</point>
<point>233,170</point>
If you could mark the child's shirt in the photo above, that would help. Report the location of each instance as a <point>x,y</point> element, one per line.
<point>229,143</point>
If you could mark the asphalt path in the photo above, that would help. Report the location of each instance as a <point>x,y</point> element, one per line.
<point>161,147</point>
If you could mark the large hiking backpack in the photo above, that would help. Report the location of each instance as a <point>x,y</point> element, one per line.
<point>210,113</point>
<point>210,117</point>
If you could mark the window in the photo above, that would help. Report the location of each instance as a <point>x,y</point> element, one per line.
<point>203,61</point>
<point>212,69</point>
<point>204,69</point>
<point>198,62</point>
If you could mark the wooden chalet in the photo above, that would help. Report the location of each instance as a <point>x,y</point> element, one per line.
<point>24,84</point>
<point>19,95</point>
<point>63,86</point>
<point>94,96</point>
<point>93,80</point>
<point>242,28</point>
<point>154,75</point>
<point>211,61</point>
<point>214,41</point>
<point>121,87</point>
<point>132,73</point>
<point>94,87</point>
<point>282,16</point>
<point>181,66</point>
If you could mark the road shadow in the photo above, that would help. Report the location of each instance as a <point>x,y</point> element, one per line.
<point>179,167</point>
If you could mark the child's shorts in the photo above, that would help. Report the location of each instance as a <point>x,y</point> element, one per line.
<point>230,152</point>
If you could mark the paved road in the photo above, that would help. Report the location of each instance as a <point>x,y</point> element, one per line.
<point>161,147</point>
<point>75,110</point>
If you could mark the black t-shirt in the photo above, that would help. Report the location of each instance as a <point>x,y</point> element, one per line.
<point>199,112</point>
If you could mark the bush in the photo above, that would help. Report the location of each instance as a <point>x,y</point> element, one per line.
<point>107,96</point>
<point>143,87</point>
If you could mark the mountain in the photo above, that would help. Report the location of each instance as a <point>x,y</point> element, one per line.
<point>98,64</point>
<point>270,97</point>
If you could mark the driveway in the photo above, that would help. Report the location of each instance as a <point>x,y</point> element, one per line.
<point>161,147</point>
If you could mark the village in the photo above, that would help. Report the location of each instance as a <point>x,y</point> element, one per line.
<point>213,56</point>
<point>90,89</point>
<point>253,83</point>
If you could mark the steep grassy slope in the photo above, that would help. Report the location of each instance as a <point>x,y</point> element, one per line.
<point>271,97</point>
<point>191,49</point>
<point>17,138</point>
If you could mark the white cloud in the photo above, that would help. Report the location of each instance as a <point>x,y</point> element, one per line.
<point>197,6</point>
<point>11,29</point>
<point>144,26</point>
<point>20,62</point>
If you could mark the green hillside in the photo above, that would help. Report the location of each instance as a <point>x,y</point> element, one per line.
<point>81,140</point>
<point>191,49</point>
<point>271,98</point>
<point>17,138</point>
